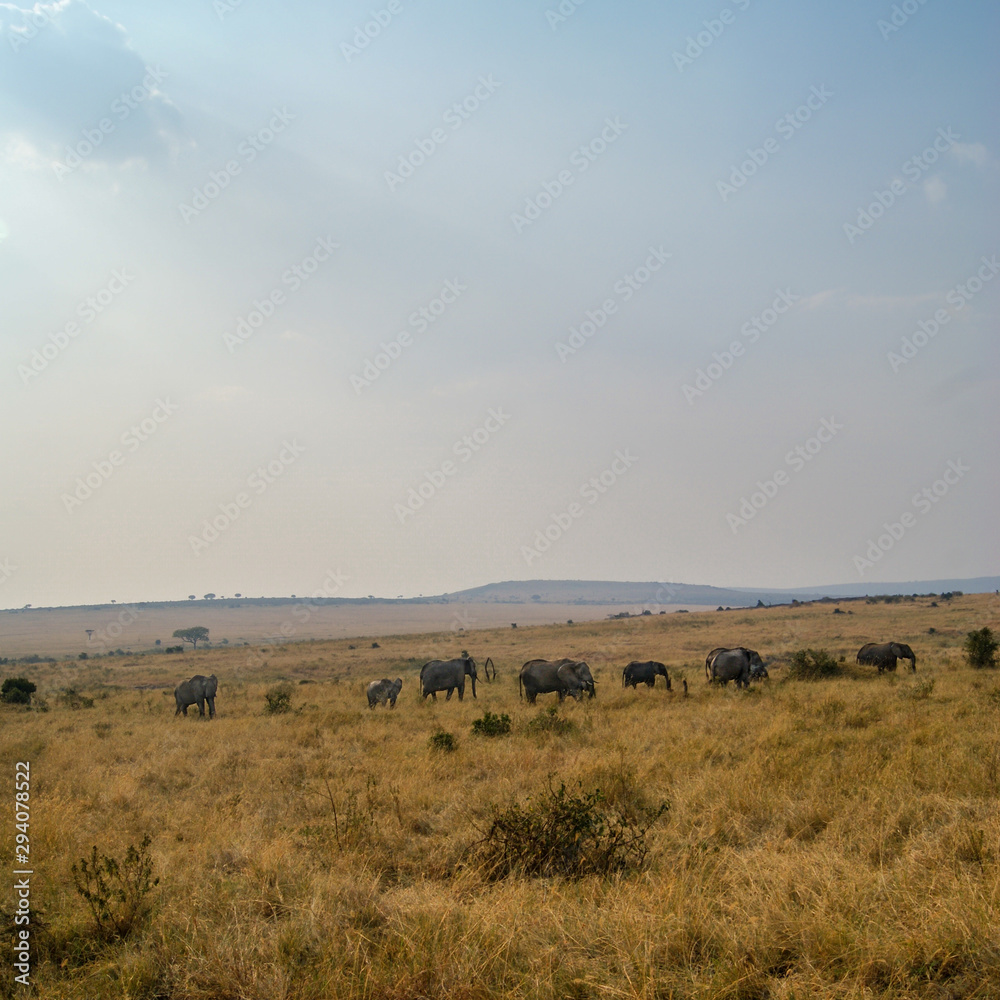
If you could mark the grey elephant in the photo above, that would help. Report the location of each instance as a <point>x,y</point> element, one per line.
<point>644,672</point>
<point>197,690</point>
<point>447,675</point>
<point>565,677</point>
<point>884,655</point>
<point>736,664</point>
<point>385,690</point>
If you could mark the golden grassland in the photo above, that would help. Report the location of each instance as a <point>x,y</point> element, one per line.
<point>835,838</point>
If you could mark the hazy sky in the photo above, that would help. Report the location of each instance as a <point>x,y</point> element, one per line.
<point>412,297</point>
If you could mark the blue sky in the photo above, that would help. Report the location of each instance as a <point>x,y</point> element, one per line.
<point>203,169</point>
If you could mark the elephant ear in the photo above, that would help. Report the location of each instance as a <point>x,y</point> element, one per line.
<point>567,670</point>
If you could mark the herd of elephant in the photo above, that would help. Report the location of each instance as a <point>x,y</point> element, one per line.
<point>561,677</point>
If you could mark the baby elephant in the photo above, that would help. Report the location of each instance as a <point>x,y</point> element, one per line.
<point>385,690</point>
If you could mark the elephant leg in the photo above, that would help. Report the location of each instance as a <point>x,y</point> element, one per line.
<point>201,708</point>
<point>211,708</point>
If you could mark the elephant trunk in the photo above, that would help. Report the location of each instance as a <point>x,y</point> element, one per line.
<point>473,679</point>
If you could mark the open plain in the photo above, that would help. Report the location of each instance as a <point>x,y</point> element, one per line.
<point>828,838</point>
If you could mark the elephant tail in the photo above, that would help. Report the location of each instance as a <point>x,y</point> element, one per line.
<point>519,695</point>
<point>624,669</point>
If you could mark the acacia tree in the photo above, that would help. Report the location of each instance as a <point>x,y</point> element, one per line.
<point>192,635</point>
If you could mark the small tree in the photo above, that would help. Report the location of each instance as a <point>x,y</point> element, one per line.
<point>981,648</point>
<point>17,691</point>
<point>192,635</point>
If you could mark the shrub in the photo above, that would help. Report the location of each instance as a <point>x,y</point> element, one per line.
<point>115,891</point>
<point>550,721</point>
<point>73,699</point>
<point>812,664</point>
<point>17,691</point>
<point>980,649</point>
<point>564,834</point>
<point>443,741</point>
<point>279,700</point>
<point>492,725</point>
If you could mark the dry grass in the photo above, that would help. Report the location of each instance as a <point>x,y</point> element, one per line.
<point>837,838</point>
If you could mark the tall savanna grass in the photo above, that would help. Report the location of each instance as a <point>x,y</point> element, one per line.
<point>837,837</point>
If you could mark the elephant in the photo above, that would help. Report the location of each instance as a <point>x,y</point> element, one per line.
<point>646,672</point>
<point>447,675</point>
<point>564,676</point>
<point>736,664</point>
<point>385,690</point>
<point>197,690</point>
<point>884,655</point>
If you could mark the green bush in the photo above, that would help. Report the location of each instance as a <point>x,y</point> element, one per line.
<point>550,721</point>
<point>115,891</point>
<point>279,700</point>
<point>443,741</point>
<point>564,834</point>
<point>491,725</point>
<point>17,691</point>
<point>980,649</point>
<point>812,664</point>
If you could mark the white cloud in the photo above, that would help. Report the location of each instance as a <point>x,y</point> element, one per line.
<point>970,152</point>
<point>72,68</point>
<point>935,190</point>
